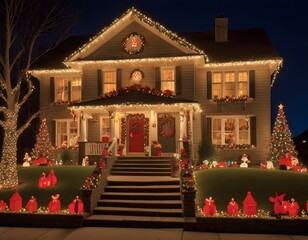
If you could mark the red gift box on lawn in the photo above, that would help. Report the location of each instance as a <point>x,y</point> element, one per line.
<point>15,202</point>
<point>250,205</point>
<point>32,205</point>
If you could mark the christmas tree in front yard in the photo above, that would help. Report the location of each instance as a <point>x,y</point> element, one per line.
<point>43,147</point>
<point>281,140</point>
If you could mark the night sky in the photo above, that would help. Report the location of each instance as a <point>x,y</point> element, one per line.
<point>286,23</point>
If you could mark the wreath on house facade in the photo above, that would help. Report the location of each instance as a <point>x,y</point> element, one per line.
<point>166,127</point>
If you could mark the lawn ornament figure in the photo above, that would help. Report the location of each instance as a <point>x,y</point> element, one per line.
<point>209,208</point>
<point>2,205</point>
<point>250,205</point>
<point>245,161</point>
<point>32,205</point>
<point>280,206</point>
<point>76,206</point>
<point>232,208</point>
<point>293,208</point>
<point>15,202</point>
<point>52,179</point>
<point>43,181</point>
<point>54,205</point>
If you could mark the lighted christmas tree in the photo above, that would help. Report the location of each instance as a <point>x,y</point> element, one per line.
<point>43,147</point>
<point>281,140</point>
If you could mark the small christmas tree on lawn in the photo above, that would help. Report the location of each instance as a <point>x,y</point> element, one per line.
<point>281,141</point>
<point>43,147</point>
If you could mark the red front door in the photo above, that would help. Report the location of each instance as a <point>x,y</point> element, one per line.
<point>136,135</point>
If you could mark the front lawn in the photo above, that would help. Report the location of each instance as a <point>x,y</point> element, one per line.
<point>69,181</point>
<point>224,183</point>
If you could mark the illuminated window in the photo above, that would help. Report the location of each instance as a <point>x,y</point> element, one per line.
<point>109,80</point>
<point>68,89</point>
<point>230,130</point>
<point>66,131</point>
<point>105,126</point>
<point>168,78</point>
<point>230,84</point>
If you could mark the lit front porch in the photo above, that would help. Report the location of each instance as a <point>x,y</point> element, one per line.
<point>132,121</point>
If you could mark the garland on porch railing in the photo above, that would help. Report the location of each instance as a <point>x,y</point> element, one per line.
<point>138,88</point>
<point>233,146</point>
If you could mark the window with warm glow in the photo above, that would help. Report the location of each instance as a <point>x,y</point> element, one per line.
<point>66,131</point>
<point>168,78</point>
<point>230,84</point>
<point>230,130</point>
<point>105,126</point>
<point>217,85</point>
<point>109,81</point>
<point>68,89</point>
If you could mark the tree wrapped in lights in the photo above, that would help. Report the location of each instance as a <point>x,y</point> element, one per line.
<point>23,25</point>
<point>281,140</point>
<point>43,147</point>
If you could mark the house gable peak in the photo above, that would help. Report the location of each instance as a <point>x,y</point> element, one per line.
<point>132,14</point>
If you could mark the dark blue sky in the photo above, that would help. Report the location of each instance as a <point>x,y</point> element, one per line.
<point>286,23</point>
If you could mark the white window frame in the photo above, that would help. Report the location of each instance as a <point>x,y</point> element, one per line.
<point>237,129</point>
<point>69,137</point>
<point>104,83</point>
<point>168,81</point>
<point>223,83</point>
<point>100,124</point>
<point>67,80</point>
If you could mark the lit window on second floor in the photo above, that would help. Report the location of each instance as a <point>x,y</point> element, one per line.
<point>109,81</point>
<point>168,79</point>
<point>67,89</point>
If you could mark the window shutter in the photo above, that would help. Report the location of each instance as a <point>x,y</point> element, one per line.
<point>208,129</point>
<point>52,89</point>
<point>178,80</point>
<point>157,78</point>
<point>253,131</point>
<point>252,83</point>
<point>69,91</point>
<point>100,89</point>
<point>119,78</point>
<point>209,85</point>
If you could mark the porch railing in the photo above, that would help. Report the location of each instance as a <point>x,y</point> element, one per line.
<point>94,148</point>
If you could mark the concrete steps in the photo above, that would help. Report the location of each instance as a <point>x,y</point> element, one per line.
<point>134,200</point>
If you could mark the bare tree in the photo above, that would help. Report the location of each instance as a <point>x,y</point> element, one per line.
<point>23,26</point>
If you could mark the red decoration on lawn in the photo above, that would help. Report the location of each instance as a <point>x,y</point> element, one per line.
<point>209,208</point>
<point>15,202</point>
<point>221,165</point>
<point>307,206</point>
<point>2,205</point>
<point>232,208</point>
<point>43,181</point>
<point>280,206</point>
<point>250,205</point>
<point>76,206</point>
<point>52,179</point>
<point>32,205</point>
<point>54,205</point>
<point>293,208</point>
<point>40,161</point>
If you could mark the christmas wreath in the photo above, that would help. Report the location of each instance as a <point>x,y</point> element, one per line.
<point>166,127</point>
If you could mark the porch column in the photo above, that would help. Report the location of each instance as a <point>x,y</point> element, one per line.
<point>183,127</point>
<point>112,124</point>
<point>83,128</point>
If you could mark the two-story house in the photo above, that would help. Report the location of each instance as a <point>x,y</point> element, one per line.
<point>119,83</point>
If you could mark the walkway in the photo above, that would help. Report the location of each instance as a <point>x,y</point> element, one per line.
<point>93,233</point>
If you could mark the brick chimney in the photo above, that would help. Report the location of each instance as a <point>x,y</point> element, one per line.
<point>221,29</point>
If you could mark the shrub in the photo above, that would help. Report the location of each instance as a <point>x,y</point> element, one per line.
<point>206,151</point>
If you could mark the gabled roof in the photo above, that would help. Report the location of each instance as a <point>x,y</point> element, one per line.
<point>242,45</point>
<point>131,15</point>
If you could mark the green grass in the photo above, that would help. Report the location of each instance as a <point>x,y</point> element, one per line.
<point>69,181</point>
<point>224,183</point>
